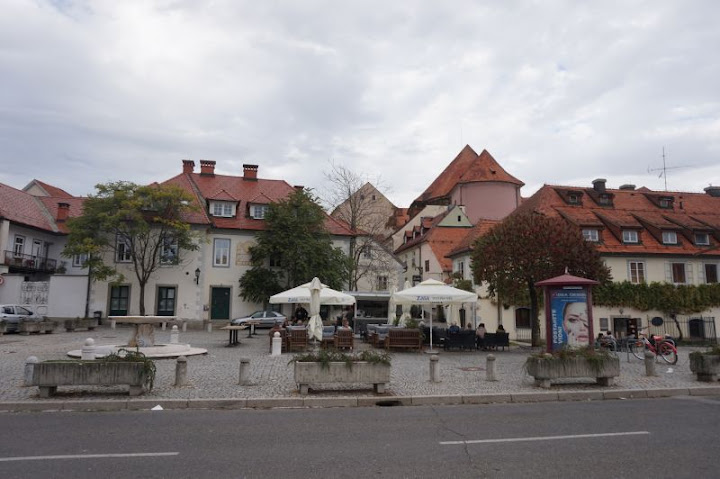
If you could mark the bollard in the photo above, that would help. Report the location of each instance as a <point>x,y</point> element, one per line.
<point>112,324</point>
<point>649,364</point>
<point>434,374</point>
<point>88,350</point>
<point>209,327</point>
<point>276,345</point>
<point>184,326</point>
<point>244,371</point>
<point>174,335</point>
<point>490,368</point>
<point>181,371</point>
<point>29,365</point>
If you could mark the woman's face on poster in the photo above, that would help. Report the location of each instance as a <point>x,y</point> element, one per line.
<point>575,323</point>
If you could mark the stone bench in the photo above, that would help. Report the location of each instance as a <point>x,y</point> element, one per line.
<point>48,375</point>
<point>78,323</point>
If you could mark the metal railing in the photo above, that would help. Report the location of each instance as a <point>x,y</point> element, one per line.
<point>26,262</point>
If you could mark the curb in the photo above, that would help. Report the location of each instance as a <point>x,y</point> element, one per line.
<point>359,401</point>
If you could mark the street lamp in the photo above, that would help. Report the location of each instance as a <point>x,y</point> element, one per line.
<point>197,275</point>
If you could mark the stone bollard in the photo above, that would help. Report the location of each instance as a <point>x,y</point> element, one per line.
<point>490,368</point>
<point>276,345</point>
<point>181,371</point>
<point>88,350</point>
<point>434,373</point>
<point>209,326</point>
<point>244,372</point>
<point>29,365</point>
<point>112,324</point>
<point>649,364</point>
<point>174,335</point>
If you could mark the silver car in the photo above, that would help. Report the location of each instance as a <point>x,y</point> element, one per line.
<point>13,313</point>
<point>265,319</point>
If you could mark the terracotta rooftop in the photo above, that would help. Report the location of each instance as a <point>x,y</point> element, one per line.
<point>465,245</point>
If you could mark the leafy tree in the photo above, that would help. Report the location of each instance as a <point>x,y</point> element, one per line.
<point>526,248</point>
<point>143,224</point>
<point>293,248</point>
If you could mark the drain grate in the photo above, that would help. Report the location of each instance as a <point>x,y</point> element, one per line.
<point>387,403</point>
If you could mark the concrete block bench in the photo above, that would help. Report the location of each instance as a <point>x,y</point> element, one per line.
<point>48,375</point>
<point>73,324</point>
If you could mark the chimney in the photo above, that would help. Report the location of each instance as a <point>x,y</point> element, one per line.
<point>207,167</point>
<point>188,166</point>
<point>599,185</point>
<point>713,191</point>
<point>627,187</point>
<point>63,212</point>
<point>299,187</point>
<point>250,172</point>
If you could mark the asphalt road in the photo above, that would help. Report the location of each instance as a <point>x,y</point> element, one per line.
<point>663,438</point>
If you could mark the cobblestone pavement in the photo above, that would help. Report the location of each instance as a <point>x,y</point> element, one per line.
<point>215,375</point>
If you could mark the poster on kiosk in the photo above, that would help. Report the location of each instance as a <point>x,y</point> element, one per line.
<point>569,313</point>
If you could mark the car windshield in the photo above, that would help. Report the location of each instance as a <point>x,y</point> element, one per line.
<point>259,314</point>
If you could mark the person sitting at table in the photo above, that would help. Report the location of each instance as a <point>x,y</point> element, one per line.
<point>480,336</point>
<point>500,329</point>
<point>301,314</point>
<point>345,324</point>
<point>454,328</point>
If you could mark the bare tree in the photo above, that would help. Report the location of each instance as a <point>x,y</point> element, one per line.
<point>359,203</point>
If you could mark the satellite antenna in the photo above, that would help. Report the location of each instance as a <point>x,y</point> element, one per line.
<point>663,170</point>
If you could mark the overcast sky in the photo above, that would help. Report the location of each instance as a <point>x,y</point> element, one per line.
<point>559,92</point>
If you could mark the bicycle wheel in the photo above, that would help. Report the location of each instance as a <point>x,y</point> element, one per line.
<point>668,353</point>
<point>637,348</point>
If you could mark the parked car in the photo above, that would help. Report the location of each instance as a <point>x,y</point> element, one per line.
<point>13,313</point>
<point>266,319</point>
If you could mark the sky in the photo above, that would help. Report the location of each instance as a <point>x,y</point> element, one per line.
<point>559,92</point>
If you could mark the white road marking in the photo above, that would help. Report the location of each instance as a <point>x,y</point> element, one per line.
<point>545,438</point>
<point>87,456</point>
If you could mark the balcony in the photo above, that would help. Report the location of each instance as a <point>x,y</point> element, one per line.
<point>25,263</point>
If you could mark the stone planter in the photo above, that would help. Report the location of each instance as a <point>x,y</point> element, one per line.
<point>545,370</point>
<point>48,375</point>
<point>26,327</point>
<point>73,324</point>
<point>361,372</point>
<point>705,366</point>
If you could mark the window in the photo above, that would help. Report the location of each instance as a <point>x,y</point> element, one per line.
<point>573,199</point>
<point>19,246</point>
<point>591,234</point>
<point>222,208</point>
<point>382,283</point>
<point>122,250</point>
<point>166,301</point>
<point>665,203</point>
<point>275,262</point>
<point>669,237</point>
<point>604,200</point>
<point>636,271</point>
<point>221,252</point>
<point>702,239</point>
<point>169,251</point>
<point>79,260</point>
<point>366,251</point>
<point>630,236</point>
<point>678,273</point>
<point>259,211</point>
<point>522,318</point>
<point>427,265</point>
<point>604,324</point>
<point>461,268</point>
<point>711,273</point>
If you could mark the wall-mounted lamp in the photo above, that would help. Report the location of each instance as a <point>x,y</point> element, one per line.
<point>621,310</point>
<point>197,275</point>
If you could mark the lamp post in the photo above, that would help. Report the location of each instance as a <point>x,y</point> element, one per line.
<point>197,275</point>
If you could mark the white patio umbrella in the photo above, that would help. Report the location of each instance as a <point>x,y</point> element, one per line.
<point>301,294</point>
<point>315,326</point>
<point>391,307</point>
<point>405,314</point>
<point>432,291</point>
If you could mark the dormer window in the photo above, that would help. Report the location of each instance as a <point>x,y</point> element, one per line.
<point>573,199</point>
<point>669,237</point>
<point>591,234</point>
<point>665,203</point>
<point>225,209</point>
<point>604,200</point>
<point>630,236</point>
<point>258,212</point>
<point>702,239</point>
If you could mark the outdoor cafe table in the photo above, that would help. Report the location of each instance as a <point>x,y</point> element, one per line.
<point>233,334</point>
<point>143,334</point>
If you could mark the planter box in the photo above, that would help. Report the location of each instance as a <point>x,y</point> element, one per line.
<point>73,324</point>
<point>49,375</point>
<point>546,370</point>
<point>705,366</point>
<point>27,327</point>
<point>361,372</point>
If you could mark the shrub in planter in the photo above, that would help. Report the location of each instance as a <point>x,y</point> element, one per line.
<point>565,363</point>
<point>336,367</point>
<point>706,364</point>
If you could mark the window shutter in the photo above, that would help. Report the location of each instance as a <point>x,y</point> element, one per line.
<point>689,273</point>
<point>668,272</point>
<point>629,272</point>
<point>701,273</point>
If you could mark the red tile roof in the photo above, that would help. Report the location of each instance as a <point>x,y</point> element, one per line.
<point>467,167</point>
<point>465,245</point>
<point>51,206</point>
<point>52,190</point>
<point>23,208</point>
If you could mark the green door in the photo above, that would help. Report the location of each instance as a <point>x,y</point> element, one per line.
<point>166,301</point>
<point>220,303</point>
<point>119,300</point>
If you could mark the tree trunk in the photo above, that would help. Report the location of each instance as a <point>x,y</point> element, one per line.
<point>535,342</point>
<point>142,299</point>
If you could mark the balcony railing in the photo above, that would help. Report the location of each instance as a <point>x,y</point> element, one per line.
<point>26,262</point>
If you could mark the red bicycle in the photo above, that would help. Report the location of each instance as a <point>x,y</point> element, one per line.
<point>659,346</point>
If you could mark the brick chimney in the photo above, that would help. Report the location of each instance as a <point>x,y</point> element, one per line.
<point>63,212</point>
<point>250,172</point>
<point>627,187</point>
<point>599,185</point>
<point>713,191</point>
<point>207,167</point>
<point>188,166</point>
